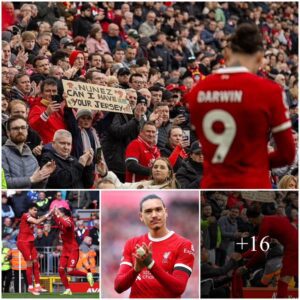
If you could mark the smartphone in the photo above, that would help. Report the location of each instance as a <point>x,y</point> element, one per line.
<point>186,136</point>
<point>57,98</point>
<point>98,155</point>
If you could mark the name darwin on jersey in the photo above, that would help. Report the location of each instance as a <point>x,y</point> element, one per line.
<point>234,96</point>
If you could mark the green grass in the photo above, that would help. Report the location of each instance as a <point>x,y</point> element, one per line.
<point>50,295</point>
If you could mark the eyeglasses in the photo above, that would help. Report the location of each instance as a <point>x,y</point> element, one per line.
<point>18,128</point>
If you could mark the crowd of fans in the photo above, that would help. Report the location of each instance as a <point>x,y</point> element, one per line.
<point>47,238</point>
<point>120,227</point>
<point>156,52</point>
<point>224,223</point>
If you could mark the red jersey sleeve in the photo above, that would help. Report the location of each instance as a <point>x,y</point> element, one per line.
<point>174,155</point>
<point>279,115</point>
<point>127,254</point>
<point>133,151</point>
<point>126,274</point>
<point>185,258</point>
<point>37,117</point>
<point>177,281</point>
<point>63,224</point>
<point>27,216</point>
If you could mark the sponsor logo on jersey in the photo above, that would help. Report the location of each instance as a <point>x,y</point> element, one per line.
<point>188,251</point>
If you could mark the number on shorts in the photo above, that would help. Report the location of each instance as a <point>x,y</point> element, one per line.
<point>224,139</point>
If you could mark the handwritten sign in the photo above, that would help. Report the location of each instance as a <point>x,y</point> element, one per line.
<point>95,97</point>
<point>261,196</point>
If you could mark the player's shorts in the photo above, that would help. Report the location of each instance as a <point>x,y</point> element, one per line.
<point>69,260</point>
<point>28,250</point>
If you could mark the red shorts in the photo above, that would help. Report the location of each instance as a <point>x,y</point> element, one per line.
<point>69,260</point>
<point>28,250</point>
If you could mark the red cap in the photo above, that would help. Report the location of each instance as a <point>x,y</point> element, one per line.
<point>176,87</point>
<point>171,87</point>
<point>73,56</point>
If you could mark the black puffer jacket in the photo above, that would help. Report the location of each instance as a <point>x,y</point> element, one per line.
<point>189,174</point>
<point>123,129</point>
<point>69,173</point>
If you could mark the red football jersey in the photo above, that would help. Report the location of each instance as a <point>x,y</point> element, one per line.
<point>26,229</point>
<point>66,226</point>
<point>234,111</point>
<point>170,252</point>
<point>144,154</point>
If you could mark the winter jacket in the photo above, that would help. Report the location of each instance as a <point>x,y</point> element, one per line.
<point>19,166</point>
<point>189,174</point>
<point>163,135</point>
<point>82,26</point>
<point>69,173</point>
<point>120,133</point>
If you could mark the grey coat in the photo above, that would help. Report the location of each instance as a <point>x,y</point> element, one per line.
<point>163,135</point>
<point>18,167</point>
<point>228,230</point>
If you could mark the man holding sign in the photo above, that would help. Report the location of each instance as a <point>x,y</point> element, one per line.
<point>95,97</point>
<point>46,115</point>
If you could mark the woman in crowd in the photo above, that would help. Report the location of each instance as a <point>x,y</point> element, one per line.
<point>162,177</point>
<point>288,182</point>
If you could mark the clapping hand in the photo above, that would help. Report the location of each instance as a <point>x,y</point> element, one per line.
<point>49,167</point>
<point>143,254</point>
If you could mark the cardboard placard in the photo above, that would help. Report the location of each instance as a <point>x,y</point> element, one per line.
<point>262,196</point>
<point>94,97</point>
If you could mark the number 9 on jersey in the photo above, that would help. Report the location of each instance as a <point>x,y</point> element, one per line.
<point>224,139</point>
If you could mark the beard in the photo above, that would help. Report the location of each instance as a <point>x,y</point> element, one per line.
<point>19,139</point>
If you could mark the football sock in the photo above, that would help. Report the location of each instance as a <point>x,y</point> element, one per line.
<point>63,278</point>
<point>282,289</point>
<point>77,273</point>
<point>29,275</point>
<point>36,272</point>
